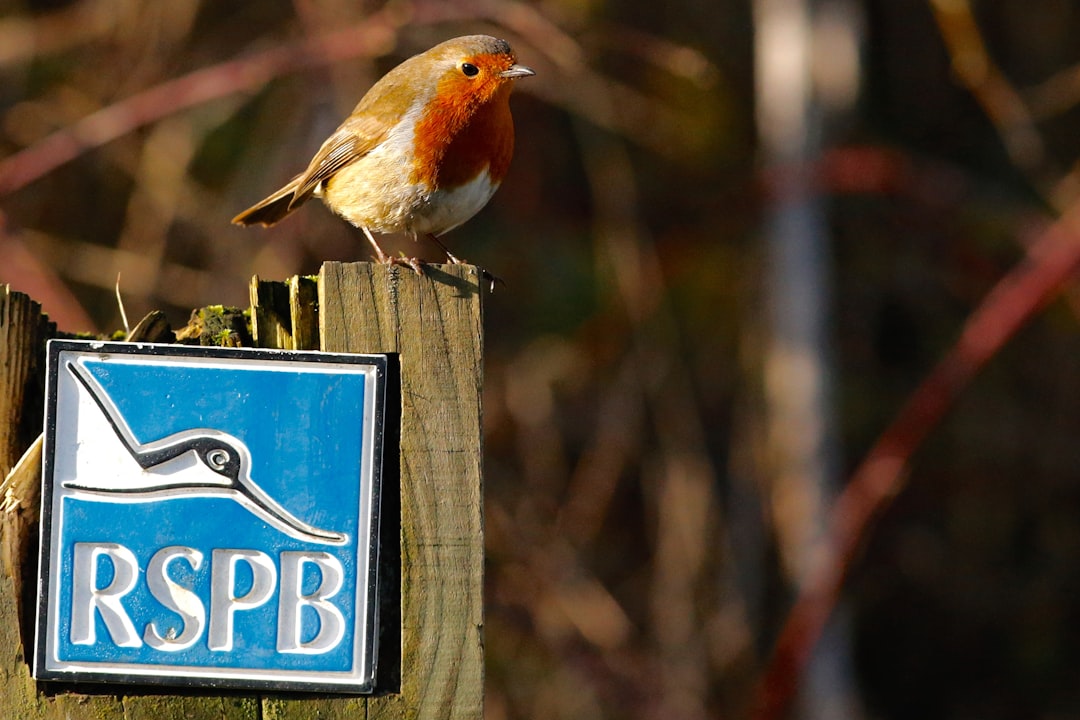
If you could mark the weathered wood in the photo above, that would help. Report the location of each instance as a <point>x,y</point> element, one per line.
<point>304,308</point>
<point>285,315</point>
<point>434,323</point>
<point>23,331</point>
<point>271,326</point>
<point>20,501</point>
<point>154,328</point>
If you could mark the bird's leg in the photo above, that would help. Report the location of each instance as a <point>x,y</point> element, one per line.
<point>416,264</point>
<point>383,259</point>
<point>379,254</point>
<point>449,255</point>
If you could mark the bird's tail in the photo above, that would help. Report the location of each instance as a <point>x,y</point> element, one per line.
<point>274,208</point>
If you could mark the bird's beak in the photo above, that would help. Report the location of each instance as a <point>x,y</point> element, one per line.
<point>516,71</point>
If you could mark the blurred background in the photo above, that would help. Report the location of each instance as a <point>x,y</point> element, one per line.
<point>735,239</point>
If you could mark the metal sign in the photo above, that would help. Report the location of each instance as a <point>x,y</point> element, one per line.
<point>210,517</point>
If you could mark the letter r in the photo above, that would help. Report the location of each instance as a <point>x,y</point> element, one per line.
<point>87,597</point>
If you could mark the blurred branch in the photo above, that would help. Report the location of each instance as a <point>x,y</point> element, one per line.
<point>1048,269</point>
<point>1002,104</point>
<point>25,272</point>
<point>23,39</point>
<point>794,120</point>
<point>689,531</point>
<point>1055,95</point>
<point>645,119</point>
<point>1050,263</point>
<point>676,59</point>
<point>370,38</point>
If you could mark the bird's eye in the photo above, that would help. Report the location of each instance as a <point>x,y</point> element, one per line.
<point>217,459</point>
<point>470,70</point>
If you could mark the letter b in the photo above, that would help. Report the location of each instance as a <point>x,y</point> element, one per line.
<point>292,602</point>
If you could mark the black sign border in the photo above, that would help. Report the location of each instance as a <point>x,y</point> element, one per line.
<point>386,372</point>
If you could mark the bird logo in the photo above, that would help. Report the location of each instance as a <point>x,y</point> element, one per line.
<point>422,152</point>
<point>169,466</point>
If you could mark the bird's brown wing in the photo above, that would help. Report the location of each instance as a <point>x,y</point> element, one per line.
<point>354,139</point>
<point>381,109</point>
<point>377,113</point>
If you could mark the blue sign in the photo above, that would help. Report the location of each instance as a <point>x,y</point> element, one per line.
<point>210,517</point>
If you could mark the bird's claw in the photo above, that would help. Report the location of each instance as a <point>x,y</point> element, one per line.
<point>491,279</point>
<point>415,263</point>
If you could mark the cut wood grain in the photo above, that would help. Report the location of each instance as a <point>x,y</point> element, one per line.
<point>304,308</point>
<point>434,323</point>
<point>23,332</point>
<point>271,325</point>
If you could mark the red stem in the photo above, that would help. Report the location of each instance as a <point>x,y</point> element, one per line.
<point>1020,295</point>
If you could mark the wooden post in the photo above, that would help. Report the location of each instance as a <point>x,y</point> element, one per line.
<point>23,331</point>
<point>431,653</point>
<point>434,323</point>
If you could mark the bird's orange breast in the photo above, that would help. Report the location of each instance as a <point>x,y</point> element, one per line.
<point>458,137</point>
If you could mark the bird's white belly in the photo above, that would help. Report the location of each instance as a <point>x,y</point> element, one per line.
<point>376,192</point>
<point>444,210</point>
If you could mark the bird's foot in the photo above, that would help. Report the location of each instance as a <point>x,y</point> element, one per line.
<point>486,276</point>
<point>415,263</point>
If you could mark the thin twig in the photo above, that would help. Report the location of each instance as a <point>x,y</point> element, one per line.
<point>1055,95</point>
<point>120,304</point>
<point>1003,105</point>
<point>367,39</point>
<point>23,39</point>
<point>372,37</point>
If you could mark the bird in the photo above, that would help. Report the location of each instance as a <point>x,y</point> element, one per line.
<point>421,153</point>
<point>225,456</point>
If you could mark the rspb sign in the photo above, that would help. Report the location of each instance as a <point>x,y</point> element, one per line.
<point>210,517</point>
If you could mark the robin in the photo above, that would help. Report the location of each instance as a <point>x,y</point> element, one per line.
<point>423,151</point>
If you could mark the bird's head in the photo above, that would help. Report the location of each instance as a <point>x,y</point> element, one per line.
<point>219,455</point>
<point>474,69</point>
<point>457,75</point>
